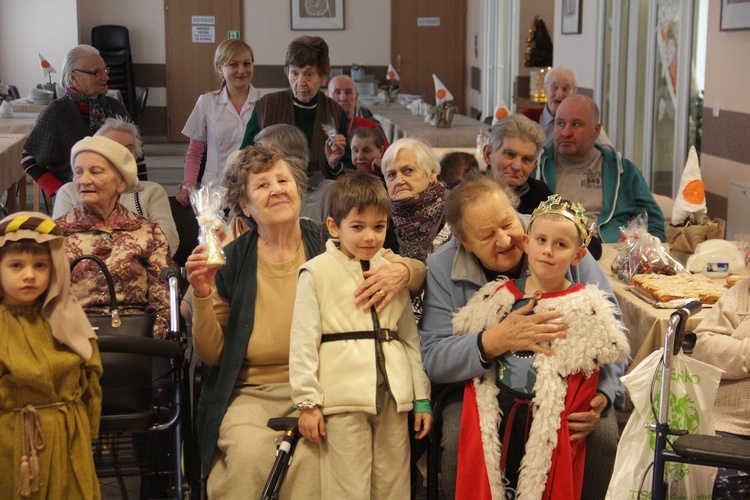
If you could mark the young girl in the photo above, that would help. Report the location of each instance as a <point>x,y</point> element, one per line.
<point>50,398</point>
<point>527,397</point>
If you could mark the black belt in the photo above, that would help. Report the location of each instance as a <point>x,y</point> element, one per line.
<point>383,335</point>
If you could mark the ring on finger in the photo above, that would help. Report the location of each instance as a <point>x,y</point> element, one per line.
<point>380,294</point>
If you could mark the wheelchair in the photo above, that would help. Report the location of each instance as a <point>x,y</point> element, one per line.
<point>692,449</point>
<point>145,427</point>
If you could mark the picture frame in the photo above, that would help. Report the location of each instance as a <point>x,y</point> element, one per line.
<point>735,15</point>
<point>317,15</point>
<point>572,17</point>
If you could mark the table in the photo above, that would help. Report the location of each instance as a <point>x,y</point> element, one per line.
<point>25,105</point>
<point>19,123</point>
<point>398,121</point>
<point>646,324</point>
<point>11,172</point>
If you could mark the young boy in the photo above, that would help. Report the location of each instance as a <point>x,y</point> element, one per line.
<point>355,374</point>
<point>555,386</point>
<point>50,397</point>
<point>368,146</point>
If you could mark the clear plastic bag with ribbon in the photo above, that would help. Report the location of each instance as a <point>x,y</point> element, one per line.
<point>208,202</point>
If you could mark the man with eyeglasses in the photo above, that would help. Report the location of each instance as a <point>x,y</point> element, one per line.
<point>78,113</point>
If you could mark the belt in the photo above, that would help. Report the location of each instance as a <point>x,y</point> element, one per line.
<point>379,334</point>
<point>32,441</point>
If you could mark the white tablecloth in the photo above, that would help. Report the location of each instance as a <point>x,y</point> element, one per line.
<point>10,159</point>
<point>398,121</point>
<point>19,123</point>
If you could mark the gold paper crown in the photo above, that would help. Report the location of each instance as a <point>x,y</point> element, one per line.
<point>573,211</point>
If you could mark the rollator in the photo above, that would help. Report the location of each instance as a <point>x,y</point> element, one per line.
<point>284,455</point>
<point>692,449</point>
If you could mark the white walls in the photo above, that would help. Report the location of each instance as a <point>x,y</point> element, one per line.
<point>31,26</point>
<point>578,52</point>
<point>366,37</point>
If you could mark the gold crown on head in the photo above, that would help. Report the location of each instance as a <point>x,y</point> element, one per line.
<point>573,211</point>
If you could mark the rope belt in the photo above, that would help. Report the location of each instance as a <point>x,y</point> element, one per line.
<point>517,404</point>
<point>32,441</point>
<point>379,334</point>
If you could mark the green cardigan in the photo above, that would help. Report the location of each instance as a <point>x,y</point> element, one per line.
<point>236,282</point>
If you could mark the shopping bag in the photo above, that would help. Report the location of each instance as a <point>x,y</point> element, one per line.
<point>692,393</point>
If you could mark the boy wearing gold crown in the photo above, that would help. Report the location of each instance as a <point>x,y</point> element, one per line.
<point>528,396</point>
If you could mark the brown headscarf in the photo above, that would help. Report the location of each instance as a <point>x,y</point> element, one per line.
<point>60,308</point>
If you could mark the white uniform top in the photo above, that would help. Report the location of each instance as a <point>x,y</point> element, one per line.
<point>215,121</point>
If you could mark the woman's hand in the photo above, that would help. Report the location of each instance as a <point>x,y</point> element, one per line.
<point>335,150</point>
<point>183,196</point>
<point>199,275</point>
<point>522,331</point>
<point>422,424</point>
<point>311,424</point>
<point>381,285</point>
<point>582,424</point>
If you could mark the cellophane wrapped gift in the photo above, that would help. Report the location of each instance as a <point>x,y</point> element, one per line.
<point>208,202</point>
<point>642,253</point>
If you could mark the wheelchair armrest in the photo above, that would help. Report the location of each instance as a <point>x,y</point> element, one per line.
<point>140,345</point>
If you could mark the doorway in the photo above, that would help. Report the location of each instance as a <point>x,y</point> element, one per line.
<point>193,30</point>
<point>429,36</point>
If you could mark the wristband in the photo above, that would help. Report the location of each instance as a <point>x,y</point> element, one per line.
<point>306,405</point>
<point>422,406</point>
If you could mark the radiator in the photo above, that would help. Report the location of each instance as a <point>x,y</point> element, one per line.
<point>738,210</point>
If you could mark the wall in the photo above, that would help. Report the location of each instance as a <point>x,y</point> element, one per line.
<point>726,155</point>
<point>28,27</point>
<point>578,52</point>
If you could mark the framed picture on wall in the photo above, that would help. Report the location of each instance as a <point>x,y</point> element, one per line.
<point>571,17</point>
<point>735,15</point>
<point>317,14</point>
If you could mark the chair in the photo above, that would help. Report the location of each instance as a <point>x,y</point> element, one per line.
<point>141,97</point>
<point>187,228</point>
<point>13,91</point>
<point>113,43</point>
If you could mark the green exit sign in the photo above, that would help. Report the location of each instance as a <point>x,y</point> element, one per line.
<point>233,35</point>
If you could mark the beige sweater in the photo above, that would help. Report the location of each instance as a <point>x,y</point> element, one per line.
<point>724,341</point>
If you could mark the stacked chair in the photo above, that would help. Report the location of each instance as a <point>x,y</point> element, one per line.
<point>113,43</point>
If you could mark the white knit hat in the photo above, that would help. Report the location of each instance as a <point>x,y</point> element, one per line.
<point>117,154</point>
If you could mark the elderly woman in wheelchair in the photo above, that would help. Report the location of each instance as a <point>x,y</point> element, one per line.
<point>134,249</point>
<point>242,319</point>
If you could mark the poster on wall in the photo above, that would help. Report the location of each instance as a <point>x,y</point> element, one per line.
<point>735,15</point>
<point>572,17</point>
<point>317,14</point>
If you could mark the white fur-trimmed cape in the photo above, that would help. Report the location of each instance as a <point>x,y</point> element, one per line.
<point>595,338</point>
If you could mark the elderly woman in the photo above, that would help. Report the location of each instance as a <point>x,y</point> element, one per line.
<point>219,118</point>
<point>307,66</point>
<point>70,118</point>
<point>724,341</point>
<point>487,243</point>
<point>411,169</point>
<point>134,249</point>
<point>149,200</point>
<point>242,319</point>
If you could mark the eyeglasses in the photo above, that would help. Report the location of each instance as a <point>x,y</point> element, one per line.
<point>96,73</point>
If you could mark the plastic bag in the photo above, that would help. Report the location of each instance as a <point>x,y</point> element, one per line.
<point>642,253</point>
<point>330,130</point>
<point>693,390</point>
<point>207,204</point>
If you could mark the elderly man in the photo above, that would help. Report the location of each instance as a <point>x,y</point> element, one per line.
<point>512,153</point>
<point>342,89</point>
<point>559,83</point>
<point>610,187</point>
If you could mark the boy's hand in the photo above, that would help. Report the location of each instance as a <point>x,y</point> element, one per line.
<point>422,424</point>
<point>311,424</point>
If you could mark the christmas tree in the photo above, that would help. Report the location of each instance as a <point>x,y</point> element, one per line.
<point>538,45</point>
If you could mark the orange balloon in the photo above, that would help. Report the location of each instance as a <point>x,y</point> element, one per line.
<point>694,192</point>
<point>501,113</point>
<point>441,94</point>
